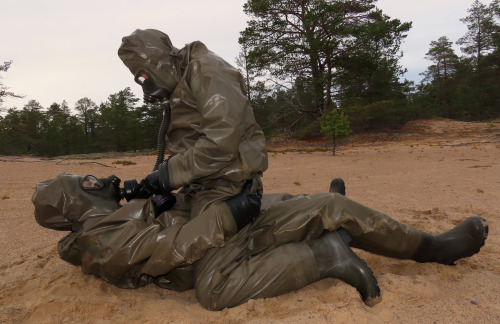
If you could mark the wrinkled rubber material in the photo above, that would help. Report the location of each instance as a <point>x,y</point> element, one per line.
<point>129,247</point>
<point>271,256</point>
<point>213,133</point>
<point>122,243</point>
<point>335,259</point>
<point>465,240</point>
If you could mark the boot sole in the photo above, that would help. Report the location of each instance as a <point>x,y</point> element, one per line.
<point>485,233</point>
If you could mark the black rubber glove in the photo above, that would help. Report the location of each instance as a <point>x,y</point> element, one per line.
<point>245,206</point>
<point>163,203</point>
<point>133,190</point>
<point>157,182</point>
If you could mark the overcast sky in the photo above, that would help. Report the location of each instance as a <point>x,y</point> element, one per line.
<point>67,50</point>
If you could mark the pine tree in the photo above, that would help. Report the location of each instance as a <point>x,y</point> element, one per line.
<point>440,75</point>
<point>319,42</point>
<point>4,91</point>
<point>334,124</point>
<point>479,39</point>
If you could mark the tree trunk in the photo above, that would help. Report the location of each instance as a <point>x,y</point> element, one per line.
<point>334,145</point>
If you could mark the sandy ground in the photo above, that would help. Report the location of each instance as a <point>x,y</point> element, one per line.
<point>431,175</point>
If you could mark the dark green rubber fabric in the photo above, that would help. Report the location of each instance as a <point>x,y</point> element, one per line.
<point>129,247</point>
<point>215,145</point>
<point>124,243</point>
<point>270,257</point>
<point>213,133</point>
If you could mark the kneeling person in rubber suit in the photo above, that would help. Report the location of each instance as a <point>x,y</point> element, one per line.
<point>217,149</point>
<point>295,241</point>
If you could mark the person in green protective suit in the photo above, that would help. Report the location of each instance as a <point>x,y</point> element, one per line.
<point>294,241</point>
<point>217,149</point>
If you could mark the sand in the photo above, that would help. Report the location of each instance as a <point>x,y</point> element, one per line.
<point>431,175</point>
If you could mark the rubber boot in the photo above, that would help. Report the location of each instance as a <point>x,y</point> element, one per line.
<point>393,239</point>
<point>462,241</point>
<point>337,186</point>
<point>335,259</point>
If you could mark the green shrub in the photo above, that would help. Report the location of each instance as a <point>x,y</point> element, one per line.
<point>125,162</point>
<point>312,129</point>
<point>379,114</point>
<point>334,124</point>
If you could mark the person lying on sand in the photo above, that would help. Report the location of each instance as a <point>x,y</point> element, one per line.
<point>294,241</point>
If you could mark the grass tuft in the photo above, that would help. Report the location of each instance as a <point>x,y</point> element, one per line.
<point>124,162</point>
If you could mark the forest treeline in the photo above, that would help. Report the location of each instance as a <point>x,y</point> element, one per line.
<point>312,67</point>
<point>118,125</point>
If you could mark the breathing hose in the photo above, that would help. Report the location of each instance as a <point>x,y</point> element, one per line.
<point>133,190</point>
<point>162,132</point>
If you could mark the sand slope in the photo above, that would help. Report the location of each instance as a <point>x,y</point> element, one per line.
<point>432,175</point>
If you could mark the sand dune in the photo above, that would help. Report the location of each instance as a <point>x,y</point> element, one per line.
<point>431,175</point>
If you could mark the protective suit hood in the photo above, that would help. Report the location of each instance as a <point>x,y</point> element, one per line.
<point>152,50</point>
<point>62,203</point>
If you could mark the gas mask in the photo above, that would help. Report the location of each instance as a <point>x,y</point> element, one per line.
<point>154,62</point>
<point>106,188</point>
<point>68,200</point>
<point>152,92</point>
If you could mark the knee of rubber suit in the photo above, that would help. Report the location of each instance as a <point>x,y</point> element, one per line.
<point>62,204</point>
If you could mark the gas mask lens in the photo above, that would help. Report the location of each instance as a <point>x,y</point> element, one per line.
<point>90,182</point>
<point>143,78</point>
